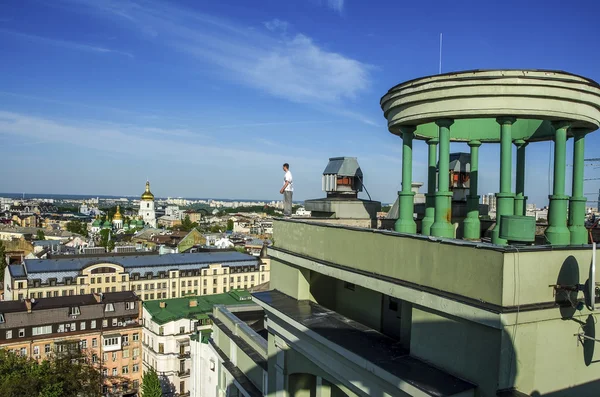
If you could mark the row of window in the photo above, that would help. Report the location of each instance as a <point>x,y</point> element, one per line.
<point>82,344</point>
<point>115,388</point>
<point>124,371</point>
<point>163,295</point>
<point>136,276</point>
<point>136,352</point>
<point>68,327</point>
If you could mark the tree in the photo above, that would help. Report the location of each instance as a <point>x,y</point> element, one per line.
<point>77,227</point>
<point>62,375</point>
<point>2,260</point>
<point>110,247</point>
<point>151,384</point>
<point>187,224</point>
<point>230,224</point>
<point>104,235</point>
<point>40,235</point>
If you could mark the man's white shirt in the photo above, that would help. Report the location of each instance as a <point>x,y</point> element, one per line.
<point>288,178</point>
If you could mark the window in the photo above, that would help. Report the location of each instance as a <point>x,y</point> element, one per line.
<point>174,284</point>
<point>48,294</point>
<point>161,331</point>
<point>239,279</point>
<point>161,347</point>
<point>151,296</point>
<point>36,350</point>
<point>224,289</point>
<point>105,357</point>
<point>125,369</point>
<point>125,338</point>
<point>74,311</point>
<point>64,292</point>
<point>181,387</point>
<point>204,291</point>
<point>81,281</point>
<point>94,342</point>
<point>126,353</point>
<point>189,283</point>
<point>183,283</point>
<point>114,279</point>
<point>47,348</point>
<point>136,352</point>
<point>204,282</point>
<point>94,358</point>
<point>114,372</point>
<point>123,288</point>
<point>92,280</point>
<point>252,278</point>
<point>136,368</point>
<point>83,344</point>
<point>21,332</point>
<point>107,279</point>
<point>109,307</point>
<point>195,283</point>
<point>43,330</point>
<point>262,277</point>
<point>113,289</point>
<point>214,271</point>
<point>104,373</point>
<point>145,297</point>
<point>182,330</point>
<point>114,356</point>
<point>349,286</point>
<point>111,341</point>
<point>231,279</point>
<point>214,290</point>
<point>129,305</point>
<point>214,281</point>
<point>114,322</point>
<point>245,278</point>
<point>173,294</point>
<point>23,351</point>
<point>71,292</point>
<point>99,280</point>
<point>204,272</point>
<point>136,384</point>
<point>93,324</point>
<point>82,291</point>
<point>136,337</point>
<point>55,293</point>
<point>123,278</point>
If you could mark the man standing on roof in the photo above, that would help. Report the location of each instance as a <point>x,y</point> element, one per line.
<point>287,190</point>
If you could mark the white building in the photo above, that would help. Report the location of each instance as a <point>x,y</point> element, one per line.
<point>302,212</point>
<point>168,326</point>
<point>147,212</point>
<point>174,212</point>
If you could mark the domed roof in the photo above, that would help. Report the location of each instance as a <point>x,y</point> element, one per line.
<point>147,195</point>
<point>107,223</point>
<point>96,222</point>
<point>118,216</point>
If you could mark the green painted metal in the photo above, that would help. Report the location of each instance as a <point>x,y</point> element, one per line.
<point>505,198</point>
<point>520,198</point>
<point>443,198</point>
<point>486,130</point>
<point>518,228</point>
<point>557,232</point>
<point>579,234</point>
<point>430,196</point>
<point>472,227</point>
<point>405,222</point>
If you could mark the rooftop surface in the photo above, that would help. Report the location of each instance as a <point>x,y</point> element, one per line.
<point>76,263</point>
<point>179,308</point>
<point>67,301</point>
<point>367,343</point>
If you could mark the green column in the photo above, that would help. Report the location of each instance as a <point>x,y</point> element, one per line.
<point>505,198</point>
<point>579,234</point>
<point>406,222</point>
<point>430,196</point>
<point>472,228</point>
<point>443,197</point>
<point>557,232</point>
<point>520,198</point>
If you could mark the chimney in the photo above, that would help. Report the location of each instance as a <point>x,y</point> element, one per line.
<point>162,304</point>
<point>28,305</point>
<point>98,297</point>
<point>193,303</point>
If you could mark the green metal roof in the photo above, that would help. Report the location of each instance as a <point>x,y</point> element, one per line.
<point>179,308</point>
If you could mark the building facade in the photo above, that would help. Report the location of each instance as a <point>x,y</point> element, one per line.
<point>168,326</point>
<point>106,327</point>
<point>149,276</point>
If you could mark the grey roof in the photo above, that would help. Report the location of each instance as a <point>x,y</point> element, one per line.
<point>459,162</point>
<point>132,262</point>
<point>16,270</point>
<point>344,166</point>
<point>46,243</point>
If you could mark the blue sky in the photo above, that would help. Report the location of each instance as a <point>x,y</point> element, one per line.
<point>209,98</point>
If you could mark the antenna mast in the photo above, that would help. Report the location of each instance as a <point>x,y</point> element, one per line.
<point>440,72</point>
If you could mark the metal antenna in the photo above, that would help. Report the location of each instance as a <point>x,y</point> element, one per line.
<point>440,54</point>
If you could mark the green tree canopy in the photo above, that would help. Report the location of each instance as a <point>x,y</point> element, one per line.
<point>77,227</point>
<point>40,235</point>
<point>230,224</point>
<point>3,263</point>
<point>187,224</point>
<point>151,384</point>
<point>62,375</point>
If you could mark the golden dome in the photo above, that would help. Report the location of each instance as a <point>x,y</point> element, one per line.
<point>118,216</point>
<point>147,195</point>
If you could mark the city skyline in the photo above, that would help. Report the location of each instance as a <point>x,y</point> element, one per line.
<point>106,93</point>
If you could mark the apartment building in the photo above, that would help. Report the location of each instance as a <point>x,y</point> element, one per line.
<point>149,276</point>
<point>107,327</point>
<point>168,326</point>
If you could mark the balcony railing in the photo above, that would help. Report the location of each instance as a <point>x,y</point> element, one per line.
<point>184,355</point>
<point>185,394</point>
<point>182,374</point>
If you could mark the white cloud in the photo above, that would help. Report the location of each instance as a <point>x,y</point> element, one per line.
<point>293,67</point>
<point>336,5</point>
<point>277,25</point>
<point>67,44</point>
